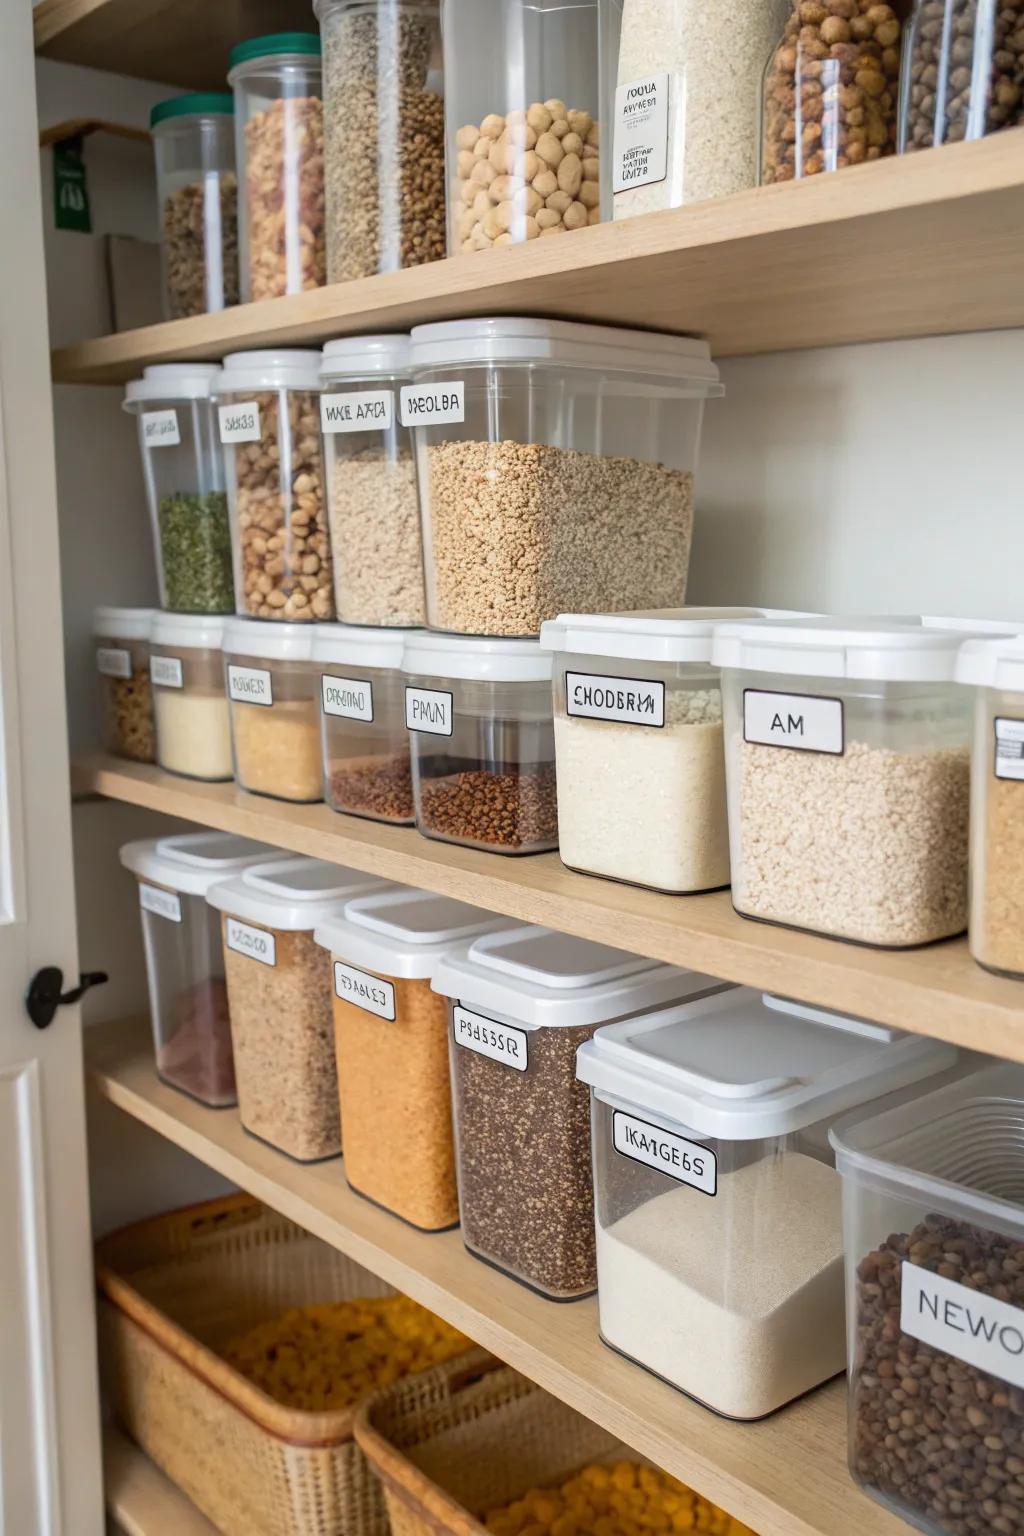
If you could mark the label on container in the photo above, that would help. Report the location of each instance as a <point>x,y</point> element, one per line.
<point>640,155</point>
<point>429,710</point>
<point>113,662</point>
<point>501,1042</point>
<point>370,993</point>
<point>160,429</point>
<point>250,685</point>
<point>239,423</point>
<point>978,1329</point>
<point>363,410</point>
<point>1009,749</point>
<point>347,696</point>
<point>257,943</point>
<point>433,405</point>
<point>160,903</point>
<point>165,672</point>
<point>629,699</point>
<point>681,1159</point>
<point>802,721</point>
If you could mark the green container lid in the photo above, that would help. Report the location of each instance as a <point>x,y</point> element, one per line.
<point>276,42</point>
<point>196,104</point>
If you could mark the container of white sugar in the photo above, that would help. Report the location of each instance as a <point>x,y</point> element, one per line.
<point>717,1204</point>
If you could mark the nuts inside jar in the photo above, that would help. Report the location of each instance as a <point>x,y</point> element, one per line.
<point>284,188</point>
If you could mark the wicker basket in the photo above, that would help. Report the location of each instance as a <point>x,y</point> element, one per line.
<point>175,1289</point>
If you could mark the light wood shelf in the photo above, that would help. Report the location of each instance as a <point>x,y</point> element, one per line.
<point>937,991</point>
<point>785,1476</point>
<point>141,1501</point>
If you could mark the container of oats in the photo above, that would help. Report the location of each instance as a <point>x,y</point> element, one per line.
<point>279,995</point>
<point>372,501</point>
<point>847,752</point>
<point>121,641</point>
<point>197,193</point>
<point>366,758</point>
<point>391,1038</point>
<point>555,465</point>
<point>273,693</point>
<point>520,1003</point>
<point>193,719</point>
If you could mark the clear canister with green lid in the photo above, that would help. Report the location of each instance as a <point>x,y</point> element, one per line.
<point>197,191</point>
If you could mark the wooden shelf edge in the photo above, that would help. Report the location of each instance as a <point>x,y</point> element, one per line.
<point>140,1499</point>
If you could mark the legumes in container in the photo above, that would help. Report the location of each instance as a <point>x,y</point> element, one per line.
<point>121,638</point>
<point>847,766</point>
<point>963,74</point>
<point>391,1038</point>
<point>555,465</point>
<point>279,991</point>
<point>367,769</point>
<point>719,1233</point>
<point>193,720</point>
<point>520,1003</point>
<point>197,193</point>
<point>272,688</point>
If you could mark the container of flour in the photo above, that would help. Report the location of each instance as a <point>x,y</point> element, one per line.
<point>717,1205</point>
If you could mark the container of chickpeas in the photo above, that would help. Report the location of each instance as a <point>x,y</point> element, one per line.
<point>121,637</point>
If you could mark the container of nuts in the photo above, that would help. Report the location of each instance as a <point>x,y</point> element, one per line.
<point>963,75</point>
<point>269,424</point>
<point>121,637</point>
<point>197,192</point>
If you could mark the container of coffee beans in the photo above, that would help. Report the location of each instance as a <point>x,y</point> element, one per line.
<point>520,1004</point>
<point>963,71</point>
<point>367,771</point>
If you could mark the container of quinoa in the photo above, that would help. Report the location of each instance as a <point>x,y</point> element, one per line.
<point>272,692</point>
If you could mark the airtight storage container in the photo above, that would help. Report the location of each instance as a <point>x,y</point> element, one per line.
<point>197,192</point>
<point>121,639</point>
<point>193,721</point>
<point>934,1236</point>
<point>366,759</point>
<point>962,71</point>
<point>279,991</point>
<point>273,690</point>
<point>482,741</point>
<point>555,466</point>
<point>719,1235</point>
<point>188,1000</point>
<point>391,1040</point>
<point>520,1003</point>
<point>847,765</point>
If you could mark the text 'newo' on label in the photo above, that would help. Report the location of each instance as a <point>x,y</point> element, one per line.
<point>427,405</point>
<point>640,154</point>
<point>956,1320</point>
<point>160,429</point>
<point>250,685</point>
<point>160,902</point>
<point>630,700</point>
<point>349,697</point>
<point>1009,758</point>
<point>670,1153</point>
<point>239,423</point>
<point>370,993</point>
<point>244,939</point>
<point>112,661</point>
<point>166,672</point>
<point>429,710</point>
<point>501,1042</point>
<point>803,722</point>
<point>364,410</point>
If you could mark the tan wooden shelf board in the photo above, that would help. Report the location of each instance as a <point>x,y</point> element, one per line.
<point>141,1501</point>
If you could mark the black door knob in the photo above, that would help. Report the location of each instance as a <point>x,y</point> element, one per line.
<point>44,995</point>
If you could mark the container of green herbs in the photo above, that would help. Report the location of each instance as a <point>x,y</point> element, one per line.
<point>195,545</point>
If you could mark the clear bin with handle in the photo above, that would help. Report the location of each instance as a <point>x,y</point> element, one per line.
<point>366,753</point>
<point>193,718</point>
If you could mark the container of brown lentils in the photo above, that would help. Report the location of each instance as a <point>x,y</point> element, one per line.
<point>121,639</point>
<point>963,71</point>
<point>366,760</point>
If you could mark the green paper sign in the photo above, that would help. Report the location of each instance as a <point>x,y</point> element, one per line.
<point>70,192</point>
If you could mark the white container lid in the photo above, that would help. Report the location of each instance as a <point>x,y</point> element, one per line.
<point>667,634</point>
<point>993,663</point>
<point>287,369</point>
<point>874,649</point>
<point>464,656</point>
<point>294,894</point>
<point>171,381</point>
<point>545,979</point>
<point>359,357</point>
<point>975,626</point>
<point>743,1065</point>
<point>565,344</point>
<point>352,645</point>
<point>188,631</point>
<point>403,932</point>
<point>122,623</point>
<point>270,638</point>
<point>191,863</point>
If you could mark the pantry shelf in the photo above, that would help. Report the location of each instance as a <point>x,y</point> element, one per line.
<point>785,1476</point>
<point>140,1500</point>
<point>936,991</point>
<point>814,263</point>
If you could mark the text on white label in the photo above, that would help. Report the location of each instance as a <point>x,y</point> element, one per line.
<point>641,133</point>
<point>628,699</point>
<point>166,672</point>
<point>674,1155</point>
<point>1009,749</point>
<point>257,943</point>
<point>160,429</point>
<point>239,423</point>
<point>803,722</point>
<point>501,1042</point>
<point>160,903</point>
<point>111,661</point>
<point>364,410</point>
<point>350,697</point>
<point>978,1329</point>
<point>250,685</point>
<point>431,405</point>
<point>371,993</point>
<point>429,710</point>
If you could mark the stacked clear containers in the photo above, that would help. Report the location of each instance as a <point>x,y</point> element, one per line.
<point>366,759</point>
<point>383,135</point>
<point>184,472</point>
<point>482,742</point>
<point>847,765</point>
<point>273,692</point>
<point>279,139</point>
<point>279,991</point>
<point>521,1002</point>
<point>186,669</point>
<point>719,1234</point>
<point>391,1038</point>
<point>963,73</point>
<point>121,638</point>
<point>372,501</point>
<point>197,191</point>
<point>555,466</point>
<point>934,1238</point>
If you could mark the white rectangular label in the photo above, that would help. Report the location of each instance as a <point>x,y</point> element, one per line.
<point>801,721</point>
<point>363,410</point>
<point>433,405</point>
<point>629,699</point>
<point>250,685</point>
<point>165,672</point>
<point>684,1160</point>
<point>980,1330</point>
<point>347,696</point>
<point>1009,749</point>
<point>112,662</point>
<point>257,943</point>
<point>501,1042</point>
<point>239,423</point>
<point>160,429</point>
<point>370,993</point>
<point>161,903</point>
<point>429,710</point>
<point>641,133</point>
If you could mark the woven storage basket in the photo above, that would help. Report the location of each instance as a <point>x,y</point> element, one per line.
<point>175,1289</point>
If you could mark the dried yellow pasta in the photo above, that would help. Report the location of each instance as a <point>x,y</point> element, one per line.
<point>613,1499</point>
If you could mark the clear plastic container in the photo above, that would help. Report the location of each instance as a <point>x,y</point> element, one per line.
<point>273,689</point>
<point>933,1229</point>
<point>279,991</point>
<point>963,71</point>
<point>366,758</point>
<point>372,501</point>
<point>719,1233</point>
<point>279,146</point>
<point>197,192</point>
<point>121,637</point>
<point>391,1039</point>
<point>847,766</point>
<point>520,1003</point>
<point>188,1000</point>
<point>482,742</point>
<point>183,467</point>
<point>193,720</point>
<point>383,135</point>
<point>269,421</point>
<point>555,466</point>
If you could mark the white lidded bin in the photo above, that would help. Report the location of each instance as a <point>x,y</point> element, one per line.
<point>279,990</point>
<point>186,669</point>
<point>719,1236</point>
<point>847,767</point>
<point>273,691</point>
<point>933,1223</point>
<point>366,760</point>
<point>188,1000</point>
<point>521,1002</point>
<point>121,641</point>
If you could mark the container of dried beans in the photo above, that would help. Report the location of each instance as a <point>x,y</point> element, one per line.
<point>366,760</point>
<point>121,640</point>
<point>197,193</point>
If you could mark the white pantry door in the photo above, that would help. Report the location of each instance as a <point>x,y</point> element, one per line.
<point>50,1478</point>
